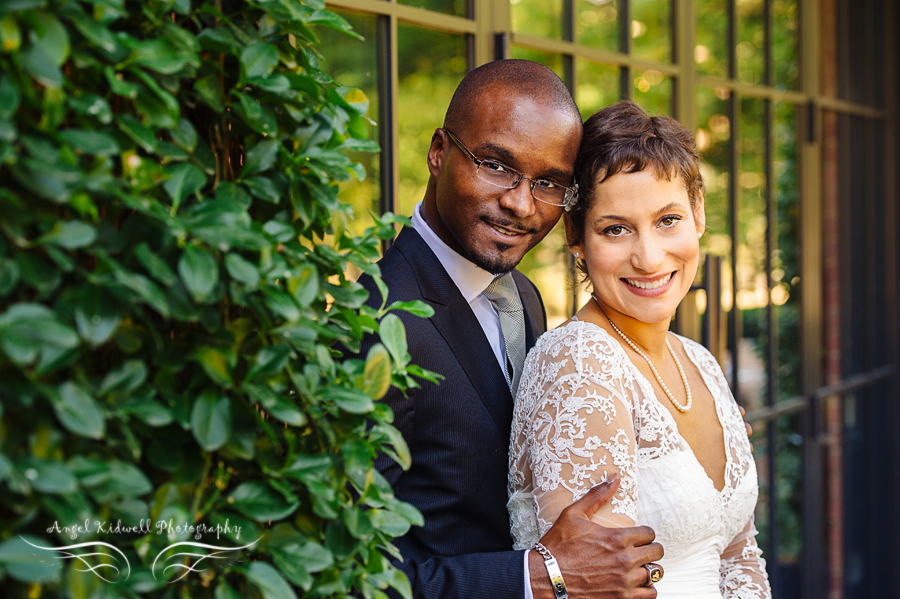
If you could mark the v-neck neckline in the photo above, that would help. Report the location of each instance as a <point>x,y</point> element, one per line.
<point>668,415</point>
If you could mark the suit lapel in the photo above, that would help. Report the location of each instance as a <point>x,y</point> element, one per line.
<point>454,319</point>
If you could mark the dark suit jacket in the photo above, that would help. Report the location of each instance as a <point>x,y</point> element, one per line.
<point>458,434</point>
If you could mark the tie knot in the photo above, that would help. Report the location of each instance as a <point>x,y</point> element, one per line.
<point>502,292</point>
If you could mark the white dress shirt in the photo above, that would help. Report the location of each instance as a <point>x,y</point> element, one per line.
<point>471,282</point>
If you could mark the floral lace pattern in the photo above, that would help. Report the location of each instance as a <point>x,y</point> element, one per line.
<point>584,411</point>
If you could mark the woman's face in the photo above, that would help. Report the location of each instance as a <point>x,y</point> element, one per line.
<point>641,245</point>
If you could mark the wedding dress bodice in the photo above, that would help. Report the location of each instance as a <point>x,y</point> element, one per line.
<point>582,408</point>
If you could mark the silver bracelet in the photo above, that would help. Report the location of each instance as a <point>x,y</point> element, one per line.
<point>556,579</point>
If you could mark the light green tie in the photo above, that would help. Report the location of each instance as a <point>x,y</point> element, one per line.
<point>504,295</point>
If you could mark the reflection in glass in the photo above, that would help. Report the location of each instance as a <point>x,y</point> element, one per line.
<point>458,8</point>
<point>785,293</point>
<point>785,43</point>
<point>598,86</point>
<point>651,29</point>
<point>752,282</point>
<point>543,18</point>
<point>353,63</point>
<point>551,61</point>
<point>751,42</point>
<point>713,137</point>
<point>431,64</point>
<point>711,51</point>
<point>653,91</point>
<point>597,24</point>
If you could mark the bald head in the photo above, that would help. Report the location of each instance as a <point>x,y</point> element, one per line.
<point>525,78</point>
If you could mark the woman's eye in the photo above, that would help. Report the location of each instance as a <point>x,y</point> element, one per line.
<point>670,221</point>
<point>615,231</point>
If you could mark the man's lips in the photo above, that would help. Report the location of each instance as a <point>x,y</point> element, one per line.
<point>506,230</point>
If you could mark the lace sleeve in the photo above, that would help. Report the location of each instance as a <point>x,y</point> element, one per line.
<point>581,431</point>
<point>742,572</point>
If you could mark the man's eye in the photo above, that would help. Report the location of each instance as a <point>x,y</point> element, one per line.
<point>545,184</point>
<point>495,167</point>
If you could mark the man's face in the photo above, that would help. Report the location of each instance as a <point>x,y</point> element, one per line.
<point>491,226</point>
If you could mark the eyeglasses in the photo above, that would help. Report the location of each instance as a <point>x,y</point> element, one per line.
<point>497,173</point>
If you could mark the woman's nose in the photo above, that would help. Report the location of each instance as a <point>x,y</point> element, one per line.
<point>649,254</point>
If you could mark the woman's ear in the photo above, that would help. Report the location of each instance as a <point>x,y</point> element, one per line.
<point>700,214</point>
<point>571,237</point>
<point>437,152</point>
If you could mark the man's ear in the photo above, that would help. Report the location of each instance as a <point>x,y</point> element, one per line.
<point>571,236</point>
<point>437,152</point>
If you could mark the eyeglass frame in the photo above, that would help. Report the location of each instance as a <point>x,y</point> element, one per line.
<point>571,193</point>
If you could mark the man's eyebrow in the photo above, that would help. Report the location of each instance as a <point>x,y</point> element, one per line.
<point>509,157</point>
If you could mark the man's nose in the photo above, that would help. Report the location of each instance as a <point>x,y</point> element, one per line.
<point>519,200</point>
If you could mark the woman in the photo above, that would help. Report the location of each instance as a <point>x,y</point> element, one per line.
<point>612,391</point>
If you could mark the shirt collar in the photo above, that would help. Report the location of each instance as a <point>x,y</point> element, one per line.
<point>468,278</point>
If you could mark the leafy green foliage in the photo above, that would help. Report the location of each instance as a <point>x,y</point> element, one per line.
<point>174,308</point>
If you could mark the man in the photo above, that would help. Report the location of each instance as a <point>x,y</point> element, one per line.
<point>477,221</point>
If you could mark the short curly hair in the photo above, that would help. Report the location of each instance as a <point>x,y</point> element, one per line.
<point>623,138</point>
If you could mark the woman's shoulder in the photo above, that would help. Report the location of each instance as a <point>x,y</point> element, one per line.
<point>574,333</point>
<point>699,354</point>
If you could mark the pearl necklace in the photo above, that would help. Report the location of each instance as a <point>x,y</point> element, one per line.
<point>687,388</point>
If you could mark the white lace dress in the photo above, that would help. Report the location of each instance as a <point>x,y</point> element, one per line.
<point>583,407</point>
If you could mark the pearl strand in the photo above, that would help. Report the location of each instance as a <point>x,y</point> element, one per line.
<point>687,388</point>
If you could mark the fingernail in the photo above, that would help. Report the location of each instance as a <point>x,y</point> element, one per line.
<point>613,478</point>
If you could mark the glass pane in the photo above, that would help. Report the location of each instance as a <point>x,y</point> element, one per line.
<point>651,29</point>
<point>785,43</point>
<point>713,137</point>
<point>597,24</point>
<point>711,51</point>
<point>752,282</point>
<point>431,64</point>
<point>451,7</point>
<point>598,86</point>
<point>352,62</point>
<point>785,292</point>
<point>551,61</point>
<point>546,265</point>
<point>860,44</point>
<point>751,42</point>
<point>789,498</point>
<point>653,91</point>
<point>543,18</point>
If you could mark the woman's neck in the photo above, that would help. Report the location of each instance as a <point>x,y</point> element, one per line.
<point>648,336</point>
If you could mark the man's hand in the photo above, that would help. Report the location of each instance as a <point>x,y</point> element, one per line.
<point>596,561</point>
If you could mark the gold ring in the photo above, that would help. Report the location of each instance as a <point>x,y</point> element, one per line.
<point>656,573</point>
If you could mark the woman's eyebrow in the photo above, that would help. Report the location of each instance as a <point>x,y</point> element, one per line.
<point>668,207</point>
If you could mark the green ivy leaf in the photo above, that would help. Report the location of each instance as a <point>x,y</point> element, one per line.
<point>211,420</point>
<point>241,270</point>
<point>9,97</point>
<point>160,55</point>
<point>269,581</point>
<point>269,361</point>
<point>210,90</point>
<point>333,20</point>
<point>139,134</point>
<point>393,335</point>
<point>376,379</point>
<point>71,235</point>
<point>155,265</point>
<point>51,37</point>
<point>184,179</point>
<point>78,411</point>
<point>260,157</point>
<point>260,502</point>
<point>216,363</point>
<point>91,142</point>
<point>128,377</point>
<point>97,316</point>
<point>349,400</point>
<point>199,272</point>
<point>258,60</point>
